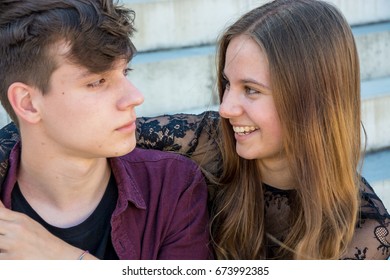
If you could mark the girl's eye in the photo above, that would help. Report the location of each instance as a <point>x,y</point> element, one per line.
<point>97,83</point>
<point>225,84</point>
<point>250,91</point>
<point>127,71</point>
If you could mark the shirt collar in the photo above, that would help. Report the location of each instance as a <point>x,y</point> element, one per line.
<point>127,186</point>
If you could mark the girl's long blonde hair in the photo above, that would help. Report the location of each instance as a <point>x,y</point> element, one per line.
<point>315,79</point>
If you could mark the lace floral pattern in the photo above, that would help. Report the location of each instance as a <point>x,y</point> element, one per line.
<point>195,135</point>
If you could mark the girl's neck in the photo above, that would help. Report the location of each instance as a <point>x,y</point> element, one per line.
<point>277,174</point>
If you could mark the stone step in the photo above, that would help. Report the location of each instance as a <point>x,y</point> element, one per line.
<point>165,24</point>
<point>376,169</point>
<point>373,44</point>
<point>376,113</point>
<point>177,80</point>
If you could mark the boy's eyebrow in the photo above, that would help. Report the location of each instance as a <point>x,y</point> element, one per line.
<point>83,74</point>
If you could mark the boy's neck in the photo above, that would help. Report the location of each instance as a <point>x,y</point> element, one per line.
<point>64,191</point>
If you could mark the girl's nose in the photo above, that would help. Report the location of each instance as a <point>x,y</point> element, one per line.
<point>230,106</point>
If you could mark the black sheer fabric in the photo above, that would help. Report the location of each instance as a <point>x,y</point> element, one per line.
<point>190,135</point>
<point>196,135</point>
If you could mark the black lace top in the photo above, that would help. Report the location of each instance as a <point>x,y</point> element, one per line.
<point>194,135</point>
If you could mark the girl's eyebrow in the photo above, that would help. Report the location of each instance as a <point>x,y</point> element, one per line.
<point>223,75</point>
<point>252,81</point>
<point>249,81</point>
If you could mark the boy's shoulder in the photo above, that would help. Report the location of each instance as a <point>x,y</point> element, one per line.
<point>147,156</point>
<point>161,171</point>
<point>143,163</point>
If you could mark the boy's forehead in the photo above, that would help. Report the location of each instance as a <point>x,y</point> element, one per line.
<point>79,71</point>
<point>61,52</point>
<point>60,49</point>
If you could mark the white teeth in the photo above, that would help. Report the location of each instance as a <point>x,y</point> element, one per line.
<point>244,129</point>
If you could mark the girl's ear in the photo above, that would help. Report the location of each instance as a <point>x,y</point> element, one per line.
<point>21,98</point>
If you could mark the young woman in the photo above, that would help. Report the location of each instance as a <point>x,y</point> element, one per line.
<point>283,159</point>
<point>289,183</point>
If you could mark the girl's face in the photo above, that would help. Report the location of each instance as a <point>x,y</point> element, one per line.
<point>248,102</point>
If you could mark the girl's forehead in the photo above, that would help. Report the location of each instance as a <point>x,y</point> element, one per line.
<point>246,62</point>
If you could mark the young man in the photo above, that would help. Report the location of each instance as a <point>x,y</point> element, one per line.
<point>63,67</point>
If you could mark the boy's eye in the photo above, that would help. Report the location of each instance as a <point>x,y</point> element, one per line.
<point>127,71</point>
<point>97,83</point>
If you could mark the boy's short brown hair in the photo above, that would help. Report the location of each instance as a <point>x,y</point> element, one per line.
<point>97,31</point>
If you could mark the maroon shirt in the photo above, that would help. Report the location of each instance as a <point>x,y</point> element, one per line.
<point>161,212</point>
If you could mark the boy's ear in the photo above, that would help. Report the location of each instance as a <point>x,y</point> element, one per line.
<point>20,97</point>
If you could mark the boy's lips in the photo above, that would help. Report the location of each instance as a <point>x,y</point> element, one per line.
<point>130,126</point>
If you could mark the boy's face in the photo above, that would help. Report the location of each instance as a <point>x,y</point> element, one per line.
<point>90,115</point>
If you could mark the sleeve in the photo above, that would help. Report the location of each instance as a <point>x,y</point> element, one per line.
<point>372,237</point>
<point>9,136</point>
<point>188,235</point>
